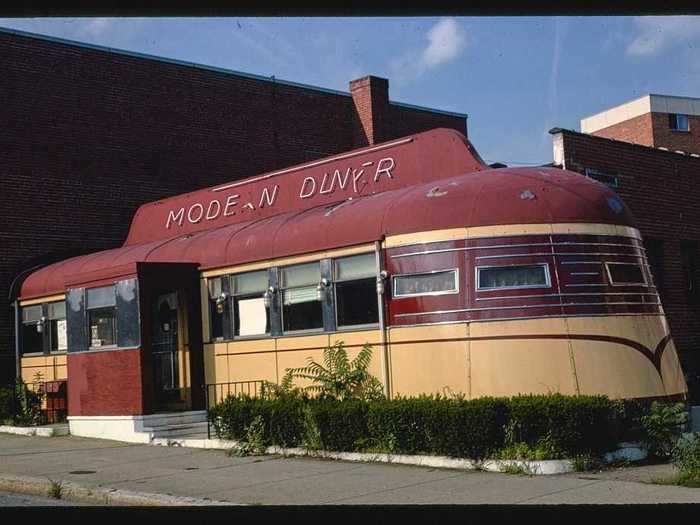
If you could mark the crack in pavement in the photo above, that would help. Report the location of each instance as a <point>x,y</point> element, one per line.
<point>306,476</point>
<point>558,492</point>
<point>394,488</point>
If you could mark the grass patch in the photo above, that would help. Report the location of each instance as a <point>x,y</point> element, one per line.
<point>680,479</point>
<point>55,489</point>
<point>517,469</point>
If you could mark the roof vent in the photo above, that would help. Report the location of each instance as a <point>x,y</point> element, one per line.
<point>661,147</point>
<point>435,192</point>
<point>527,195</point>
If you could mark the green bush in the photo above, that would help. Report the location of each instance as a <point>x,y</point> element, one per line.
<point>686,456</point>
<point>663,426</point>
<point>528,427</point>
<point>7,404</point>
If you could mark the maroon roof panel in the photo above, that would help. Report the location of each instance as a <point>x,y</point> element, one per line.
<point>477,198</point>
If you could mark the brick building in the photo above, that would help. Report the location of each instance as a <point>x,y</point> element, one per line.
<point>652,168</point>
<point>90,133</point>
<point>659,121</point>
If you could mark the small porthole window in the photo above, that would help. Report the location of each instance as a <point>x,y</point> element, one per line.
<point>429,283</point>
<point>515,276</point>
<point>625,274</point>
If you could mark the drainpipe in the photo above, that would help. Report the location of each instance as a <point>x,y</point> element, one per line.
<point>382,323</point>
<point>18,368</point>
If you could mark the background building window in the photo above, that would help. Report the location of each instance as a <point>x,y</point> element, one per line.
<point>32,338</point>
<point>605,178</point>
<point>625,274</point>
<point>689,262</point>
<point>356,290</point>
<point>249,313</point>
<point>219,308</point>
<point>101,317</point>
<point>301,309</point>
<point>433,283</point>
<point>521,276</point>
<point>678,122</point>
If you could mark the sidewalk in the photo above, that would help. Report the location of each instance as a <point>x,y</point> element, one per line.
<point>273,480</point>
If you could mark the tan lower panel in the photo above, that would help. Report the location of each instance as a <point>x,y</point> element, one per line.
<point>674,380</point>
<point>221,368</point>
<point>209,367</point>
<point>258,345</point>
<point>252,367</point>
<point>294,352</point>
<point>511,366</point>
<point>615,370</point>
<point>51,368</point>
<point>354,341</point>
<point>420,366</point>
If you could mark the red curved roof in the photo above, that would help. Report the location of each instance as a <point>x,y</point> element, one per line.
<point>482,198</point>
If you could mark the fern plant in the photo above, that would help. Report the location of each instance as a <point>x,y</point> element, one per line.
<point>339,377</point>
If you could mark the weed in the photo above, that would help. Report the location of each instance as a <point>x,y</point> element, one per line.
<point>55,489</point>
<point>517,468</point>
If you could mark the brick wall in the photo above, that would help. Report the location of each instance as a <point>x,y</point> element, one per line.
<point>89,135</point>
<point>662,191</point>
<point>688,141</point>
<point>638,130</point>
<point>652,129</point>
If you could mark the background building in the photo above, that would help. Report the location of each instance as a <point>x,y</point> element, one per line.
<point>90,133</point>
<point>638,149</point>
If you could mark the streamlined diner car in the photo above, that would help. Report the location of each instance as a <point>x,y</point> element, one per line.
<point>462,278</point>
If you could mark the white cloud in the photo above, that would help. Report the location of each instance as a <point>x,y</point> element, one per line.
<point>96,27</point>
<point>658,32</point>
<point>446,42</point>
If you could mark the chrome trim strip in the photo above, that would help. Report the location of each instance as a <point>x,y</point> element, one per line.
<point>584,273</point>
<point>470,248</point>
<point>506,297</point>
<point>555,254</point>
<point>579,285</point>
<point>565,305</point>
<point>581,262</point>
<point>561,316</point>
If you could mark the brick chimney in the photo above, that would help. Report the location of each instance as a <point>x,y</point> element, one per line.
<point>370,95</point>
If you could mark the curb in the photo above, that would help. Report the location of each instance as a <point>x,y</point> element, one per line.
<point>35,431</point>
<point>71,491</point>
<point>545,467</point>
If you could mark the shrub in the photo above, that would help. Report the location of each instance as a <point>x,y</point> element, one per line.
<point>338,377</point>
<point>663,426</point>
<point>525,427</point>
<point>686,457</point>
<point>7,404</point>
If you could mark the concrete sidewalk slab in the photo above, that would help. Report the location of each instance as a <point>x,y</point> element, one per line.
<point>276,480</point>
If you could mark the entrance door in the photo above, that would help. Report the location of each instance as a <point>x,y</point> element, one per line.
<point>165,348</point>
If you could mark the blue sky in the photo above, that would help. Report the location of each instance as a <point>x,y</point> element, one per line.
<point>516,77</point>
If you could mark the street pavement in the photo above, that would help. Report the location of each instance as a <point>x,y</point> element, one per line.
<point>274,480</point>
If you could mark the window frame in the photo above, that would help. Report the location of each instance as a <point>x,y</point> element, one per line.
<point>233,295</point>
<point>280,293</point>
<point>638,265</point>
<point>547,276</point>
<point>34,324</point>
<point>345,328</point>
<point>673,122</point>
<point>88,309</point>
<point>454,291</point>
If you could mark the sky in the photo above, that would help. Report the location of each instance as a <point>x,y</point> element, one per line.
<point>516,77</point>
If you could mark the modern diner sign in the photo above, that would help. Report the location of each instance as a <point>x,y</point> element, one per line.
<point>294,192</point>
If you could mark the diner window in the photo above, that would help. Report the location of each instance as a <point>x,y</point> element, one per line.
<point>301,308</point>
<point>678,122</point>
<point>514,276</point>
<point>429,283</point>
<point>32,329</point>
<point>249,313</point>
<point>625,274</point>
<point>101,316</point>
<point>356,290</point>
<point>57,328</point>
<point>219,308</point>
